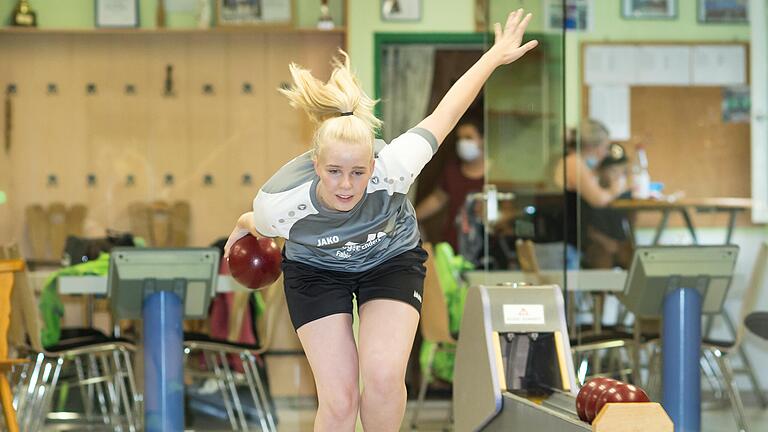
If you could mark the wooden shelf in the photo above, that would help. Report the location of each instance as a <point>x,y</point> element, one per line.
<point>174,31</point>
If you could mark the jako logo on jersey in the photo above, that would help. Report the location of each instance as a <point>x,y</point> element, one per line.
<point>417,295</point>
<point>327,240</point>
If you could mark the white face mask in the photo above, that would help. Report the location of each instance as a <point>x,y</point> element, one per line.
<point>467,149</point>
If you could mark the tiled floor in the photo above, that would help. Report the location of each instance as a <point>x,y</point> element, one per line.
<point>298,418</point>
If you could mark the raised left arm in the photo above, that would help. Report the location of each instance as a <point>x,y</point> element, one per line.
<point>506,49</point>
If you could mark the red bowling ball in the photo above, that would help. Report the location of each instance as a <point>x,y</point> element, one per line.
<point>255,263</point>
<point>585,391</point>
<point>621,393</point>
<point>594,396</point>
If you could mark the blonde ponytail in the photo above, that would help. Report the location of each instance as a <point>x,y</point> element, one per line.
<point>339,108</point>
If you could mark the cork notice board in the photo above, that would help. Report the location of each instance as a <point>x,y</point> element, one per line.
<point>690,148</point>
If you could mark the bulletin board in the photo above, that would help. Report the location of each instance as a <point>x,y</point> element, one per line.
<point>690,147</point>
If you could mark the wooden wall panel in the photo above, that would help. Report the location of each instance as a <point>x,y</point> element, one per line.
<point>248,119</point>
<point>6,209</point>
<point>168,152</point>
<point>147,134</point>
<point>207,122</point>
<point>283,132</point>
<point>131,131</point>
<point>101,112</point>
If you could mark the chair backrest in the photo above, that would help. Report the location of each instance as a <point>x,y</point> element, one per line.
<point>756,282</point>
<point>526,256</point>
<point>529,263</point>
<point>25,317</point>
<point>7,268</point>
<point>434,309</point>
<point>57,228</point>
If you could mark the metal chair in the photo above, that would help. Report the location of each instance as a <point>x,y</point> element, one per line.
<point>720,352</point>
<point>215,353</point>
<point>102,368</point>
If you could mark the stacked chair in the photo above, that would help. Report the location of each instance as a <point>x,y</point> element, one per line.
<point>98,366</point>
<point>216,354</point>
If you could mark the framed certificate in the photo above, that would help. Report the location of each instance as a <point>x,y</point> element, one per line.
<point>724,11</point>
<point>648,9</point>
<point>117,13</point>
<point>400,10</point>
<point>254,12</point>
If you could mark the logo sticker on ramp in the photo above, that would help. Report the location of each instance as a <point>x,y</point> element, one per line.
<point>523,314</point>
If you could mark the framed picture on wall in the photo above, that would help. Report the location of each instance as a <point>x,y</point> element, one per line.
<point>400,10</point>
<point>724,11</point>
<point>116,13</point>
<point>649,9</point>
<point>569,15</point>
<point>254,12</point>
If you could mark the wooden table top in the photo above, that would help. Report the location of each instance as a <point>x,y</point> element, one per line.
<point>699,203</point>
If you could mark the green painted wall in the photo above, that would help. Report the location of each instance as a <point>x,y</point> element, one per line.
<point>438,16</point>
<point>365,21</point>
<point>79,14</point>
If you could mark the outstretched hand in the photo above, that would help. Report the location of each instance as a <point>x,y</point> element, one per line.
<point>506,47</point>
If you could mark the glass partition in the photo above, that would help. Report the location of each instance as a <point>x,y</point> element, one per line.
<point>650,145</point>
<point>522,213</point>
<point>629,125</point>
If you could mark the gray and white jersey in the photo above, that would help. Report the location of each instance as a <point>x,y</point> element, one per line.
<point>381,226</point>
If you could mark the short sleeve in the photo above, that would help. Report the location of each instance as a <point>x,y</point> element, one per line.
<point>404,158</point>
<point>262,218</point>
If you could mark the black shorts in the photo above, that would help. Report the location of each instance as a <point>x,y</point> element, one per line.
<point>313,293</point>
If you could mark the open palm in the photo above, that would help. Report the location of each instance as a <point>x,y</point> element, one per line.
<point>506,47</point>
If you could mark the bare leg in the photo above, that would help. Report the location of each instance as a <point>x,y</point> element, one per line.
<point>387,329</point>
<point>330,348</point>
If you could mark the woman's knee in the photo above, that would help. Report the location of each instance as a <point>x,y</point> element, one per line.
<point>340,401</point>
<point>384,382</point>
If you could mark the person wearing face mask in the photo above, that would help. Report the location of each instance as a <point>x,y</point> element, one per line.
<point>576,174</point>
<point>462,175</point>
<point>351,234</point>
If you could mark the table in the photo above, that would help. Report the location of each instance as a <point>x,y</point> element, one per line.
<point>732,206</point>
<point>98,285</point>
<point>577,280</point>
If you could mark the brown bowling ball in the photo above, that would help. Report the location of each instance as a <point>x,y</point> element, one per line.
<point>255,263</point>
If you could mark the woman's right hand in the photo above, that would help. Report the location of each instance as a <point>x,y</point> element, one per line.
<point>243,227</point>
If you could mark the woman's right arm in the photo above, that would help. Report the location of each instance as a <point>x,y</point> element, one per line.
<point>579,177</point>
<point>243,227</point>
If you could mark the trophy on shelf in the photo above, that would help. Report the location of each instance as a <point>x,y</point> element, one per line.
<point>23,15</point>
<point>325,22</point>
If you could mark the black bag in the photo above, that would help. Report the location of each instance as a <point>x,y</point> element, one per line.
<point>78,250</point>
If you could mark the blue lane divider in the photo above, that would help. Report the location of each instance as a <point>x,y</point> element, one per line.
<point>681,350</point>
<point>163,363</point>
